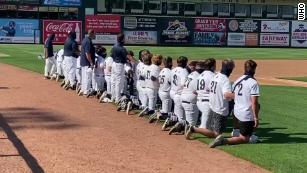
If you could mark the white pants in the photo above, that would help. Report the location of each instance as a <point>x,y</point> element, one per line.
<point>204,108</point>
<point>140,90</point>
<point>78,75</point>
<point>151,96</point>
<point>118,74</point>
<point>86,79</point>
<point>50,66</point>
<point>191,112</point>
<point>71,66</point>
<point>108,82</point>
<point>166,101</point>
<point>178,109</point>
<point>64,64</point>
<point>59,69</point>
<point>98,82</point>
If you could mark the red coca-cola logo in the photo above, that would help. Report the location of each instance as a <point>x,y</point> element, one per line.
<point>63,27</point>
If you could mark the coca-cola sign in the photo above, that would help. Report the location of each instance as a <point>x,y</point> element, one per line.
<point>61,28</point>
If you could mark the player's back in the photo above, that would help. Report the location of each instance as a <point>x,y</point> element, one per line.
<point>219,85</point>
<point>190,87</point>
<point>165,79</point>
<point>179,76</point>
<point>203,85</point>
<point>244,88</point>
<point>152,70</point>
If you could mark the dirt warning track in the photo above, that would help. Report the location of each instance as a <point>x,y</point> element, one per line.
<point>47,129</point>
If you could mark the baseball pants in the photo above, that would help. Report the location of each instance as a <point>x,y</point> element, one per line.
<point>50,66</point>
<point>118,72</point>
<point>98,82</point>
<point>178,109</point>
<point>191,112</point>
<point>166,101</point>
<point>151,96</point>
<point>78,75</point>
<point>140,90</point>
<point>71,66</point>
<point>59,64</point>
<point>108,81</point>
<point>86,79</point>
<point>204,108</point>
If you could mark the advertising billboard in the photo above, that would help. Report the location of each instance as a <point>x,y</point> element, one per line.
<point>176,30</point>
<point>274,39</point>
<point>61,28</point>
<point>275,26</point>
<point>140,37</point>
<point>237,25</point>
<point>210,38</point>
<point>209,25</point>
<point>19,31</point>
<point>138,23</point>
<point>63,2</point>
<point>299,34</point>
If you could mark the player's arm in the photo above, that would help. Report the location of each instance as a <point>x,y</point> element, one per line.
<point>228,95</point>
<point>255,108</point>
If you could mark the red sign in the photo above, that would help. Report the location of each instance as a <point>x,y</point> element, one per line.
<point>210,25</point>
<point>103,23</point>
<point>61,29</point>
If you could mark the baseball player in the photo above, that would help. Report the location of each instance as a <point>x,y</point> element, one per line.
<point>78,75</point>
<point>165,80</point>
<point>98,72</point>
<point>203,89</point>
<point>219,97</point>
<point>179,76</point>
<point>246,108</point>
<point>189,94</point>
<point>59,63</point>
<point>152,83</point>
<point>49,57</point>
<point>107,71</point>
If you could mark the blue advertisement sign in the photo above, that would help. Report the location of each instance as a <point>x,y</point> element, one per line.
<point>19,31</point>
<point>63,2</point>
<point>210,38</point>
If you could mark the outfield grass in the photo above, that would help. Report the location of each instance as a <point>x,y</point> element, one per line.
<point>302,79</point>
<point>283,129</point>
<point>25,56</point>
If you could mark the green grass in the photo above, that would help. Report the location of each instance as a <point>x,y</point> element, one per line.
<point>25,56</point>
<point>302,79</point>
<point>283,130</point>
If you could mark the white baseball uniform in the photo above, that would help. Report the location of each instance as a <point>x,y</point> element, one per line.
<point>98,74</point>
<point>243,93</point>
<point>71,66</point>
<point>189,98</point>
<point>179,76</point>
<point>108,71</point>
<point>203,90</point>
<point>219,85</point>
<point>140,85</point>
<point>59,62</point>
<point>165,79</point>
<point>152,87</point>
<point>78,71</point>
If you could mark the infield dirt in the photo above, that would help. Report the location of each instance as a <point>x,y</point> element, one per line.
<point>47,129</point>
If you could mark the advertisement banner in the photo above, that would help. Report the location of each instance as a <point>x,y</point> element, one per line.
<point>243,25</point>
<point>140,37</point>
<point>103,23</point>
<point>251,39</point>
<point>139,23</point>
<point>275,26</point>
<point>19,31</point>
<point>105,39</point>
<point>299,34</point>
<point>236,39</point>
<point>63,2</point>
<point>210,25</point>
<point>271,39</point>
<point>176,30</point>
<point>210,38</point>
<point>61,28</point>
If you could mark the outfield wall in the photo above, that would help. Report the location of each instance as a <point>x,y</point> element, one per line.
<point>164,31</point>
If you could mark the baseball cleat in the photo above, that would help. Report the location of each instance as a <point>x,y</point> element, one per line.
<point>57,78</point>
<point>167,123</point>
<point>176,128</point>
<point>46,77</point>
<point>129,106</point>
<point>63,83</point>
<point>218,141</point>
<point>104,94</point>
<point>143,111</point>
<point>78,88</point>
<point>153,118</point>
<point>188,133</point>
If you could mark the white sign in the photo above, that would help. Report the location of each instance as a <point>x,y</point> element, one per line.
<point>301,11</point>
<point>274,26</point>
<point>267,39</point>
<point>236,39</point>
<point>140,37</point>
<point>105,39</point>
<point>299,34</point>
